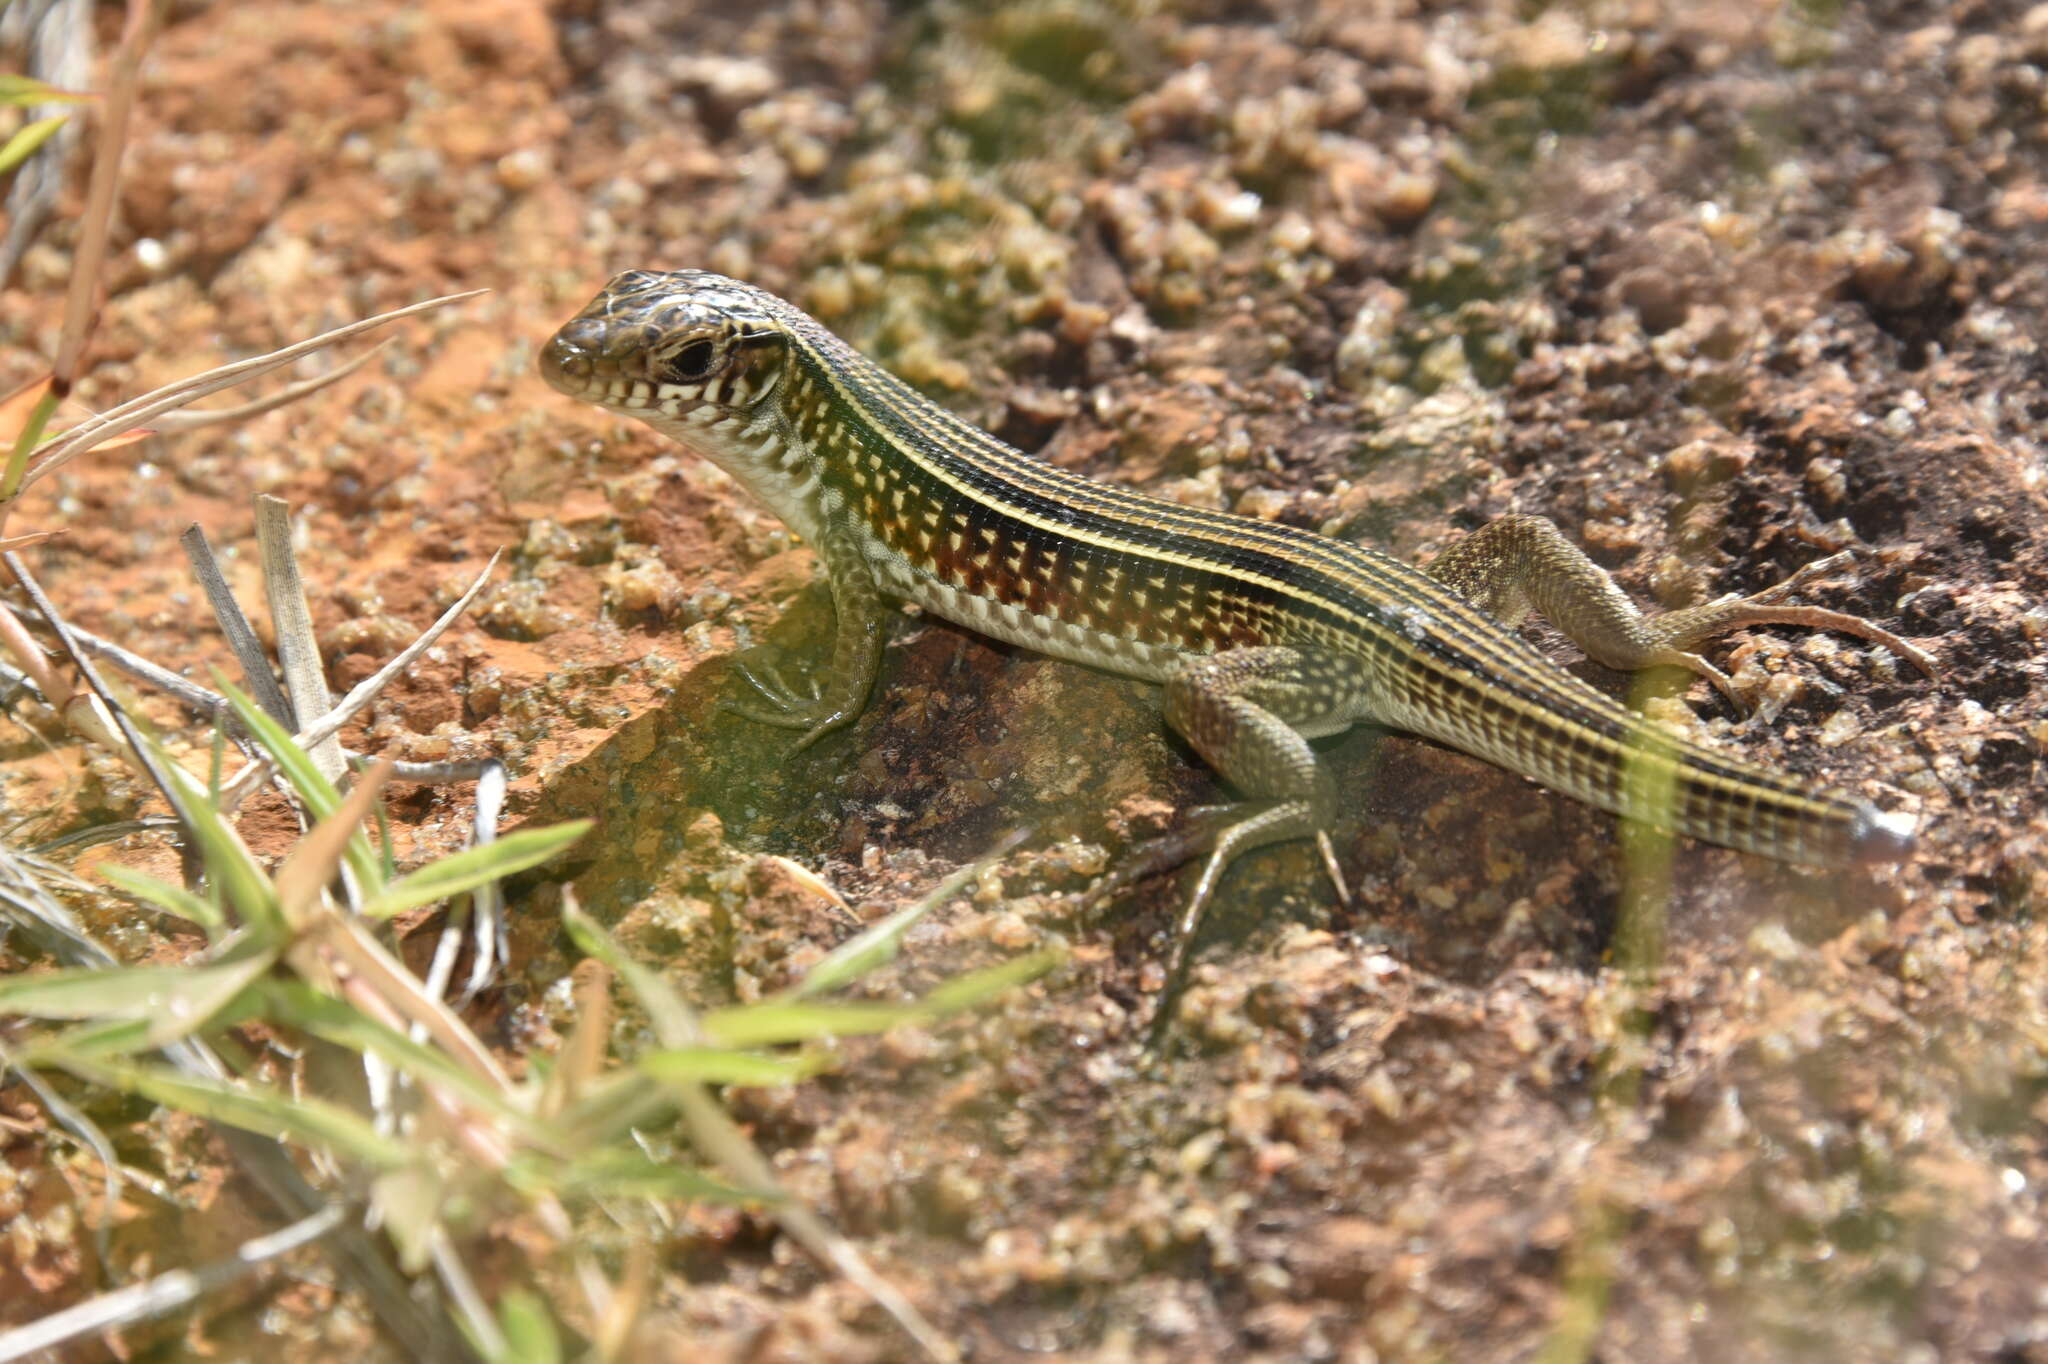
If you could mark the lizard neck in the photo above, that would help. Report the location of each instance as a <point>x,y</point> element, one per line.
<point>766,452</point>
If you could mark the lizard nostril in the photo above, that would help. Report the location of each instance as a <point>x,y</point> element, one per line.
<point>565,362</point>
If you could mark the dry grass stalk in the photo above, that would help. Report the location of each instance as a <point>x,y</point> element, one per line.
<point>81,305</point>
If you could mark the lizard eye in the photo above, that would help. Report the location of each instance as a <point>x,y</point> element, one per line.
<point>690,365</point>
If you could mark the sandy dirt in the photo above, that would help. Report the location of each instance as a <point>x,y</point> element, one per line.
<point>1719,289</point>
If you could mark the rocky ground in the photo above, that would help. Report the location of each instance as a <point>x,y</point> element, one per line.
<point>1717,288</point>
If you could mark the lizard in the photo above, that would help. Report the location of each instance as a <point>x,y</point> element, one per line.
<point>1263,636</point>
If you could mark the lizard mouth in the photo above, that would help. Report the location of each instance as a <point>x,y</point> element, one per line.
<point>583,361</point>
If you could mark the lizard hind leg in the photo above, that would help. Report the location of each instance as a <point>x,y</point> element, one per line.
<point>1249,713</point>
<point>1516,564</point>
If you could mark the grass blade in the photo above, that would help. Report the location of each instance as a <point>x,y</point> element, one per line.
<point>773,1022</point>
<point>137,411</point>
<point>978,987</point>
<point>530,1334</point>
<point>193,419</point>
<point>171,899</point>
<point>624,1173</point>
<point>229,863</point>
<point>321,796</point>
<point>332,1020</point>
<point>177,1000</point>
<point>714,1133</point>
<point>253,1108</point>
<point>717,1066</point>
<point>23,144</point>
<point>25,90</point>
<point>789,1019</point>
<point>878,945</point>
<point>473,867</point>
<point>675,1023</point>
<point>315,858</point>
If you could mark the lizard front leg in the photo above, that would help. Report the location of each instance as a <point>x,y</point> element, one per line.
<point>861,624</point>
<point>1518,563</point>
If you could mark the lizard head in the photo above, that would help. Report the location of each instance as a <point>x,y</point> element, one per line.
<point>693,354</point>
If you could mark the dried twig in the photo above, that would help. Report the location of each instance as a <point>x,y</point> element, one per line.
<point>243,782</point>
<point>438,774</point>
<point>214,708</point>
<point>15,684</point>
<point>165,1293</point>
<point>137,411</point>
<point>187,692</point>
<point>172,423</point>
<point>53,685</point>
<point>80,712</point>
<point>104,711</point>
<point>81,304</point>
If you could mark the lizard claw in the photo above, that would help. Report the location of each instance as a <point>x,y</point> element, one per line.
<point>1694,663</point>
<point>1807,573</point>
<point>781,719</point>
<point>820,728</point>
<point>776,689</point>
<point>1820,618</point>
<point>1198,831</point>
<point>1330,865</point>
<point>790,707</point>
